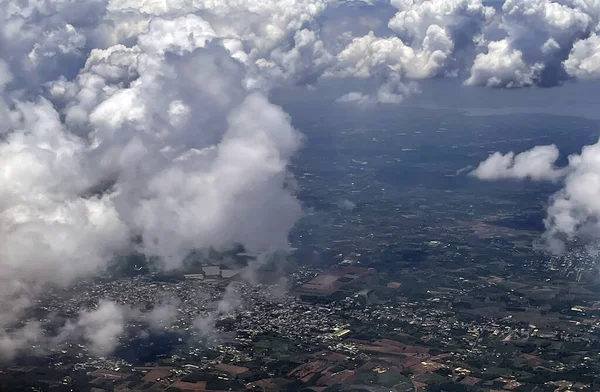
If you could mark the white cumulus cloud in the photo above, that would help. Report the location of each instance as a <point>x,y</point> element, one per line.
<point>574,211</point>
<point>536,164</point>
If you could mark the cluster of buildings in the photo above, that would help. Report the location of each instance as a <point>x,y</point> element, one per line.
<point>341,328</point>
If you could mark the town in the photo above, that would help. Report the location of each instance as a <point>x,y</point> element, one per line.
<point>342,328</point>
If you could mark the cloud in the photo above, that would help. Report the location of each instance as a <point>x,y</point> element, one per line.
<point>162,315</point>
<point>503,66</point>
<point>99,328</point>
<point>155,136</point>
<point>102,327</point>
<point>440,27</point>
<point>388,61</point>
<point>584,59</point>
<point>40,40</point>
<point>530,42</point>
<point>205,324</point>
<point>51,234</point>
<point>346,204</point>
<point>574,211</point>
<point>5,74</point>
<point>19,340</point>
<point>536,164</point>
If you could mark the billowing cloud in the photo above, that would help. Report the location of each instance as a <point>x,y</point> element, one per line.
<point>157,139</point>
<point>427,36</point>
<point>20,340</point>
<point>503,66</point>
<point>584,59</point>
<point>386,60</point>
<point>536,164</point>
<point>438,29</point>
<point>574,211</point>
<point>531,42</point>
<point>102,327</point>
